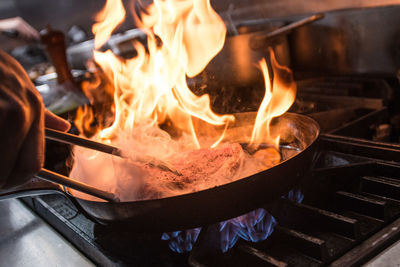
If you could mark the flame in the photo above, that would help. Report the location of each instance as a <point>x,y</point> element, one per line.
<point>152,86</point>
<point>150,89</point>
<point>110,17</point>
<point>86,116</point>
<point>279,96</point>
<point>254,226</point>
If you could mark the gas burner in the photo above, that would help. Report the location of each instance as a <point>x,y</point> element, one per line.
<point>354,173</point>
<point>348,201</point>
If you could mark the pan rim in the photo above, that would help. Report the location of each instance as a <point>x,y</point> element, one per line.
<point>191,194</point>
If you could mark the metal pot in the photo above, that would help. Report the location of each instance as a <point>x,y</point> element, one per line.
<point>236,64</point>
<point>351,41</point>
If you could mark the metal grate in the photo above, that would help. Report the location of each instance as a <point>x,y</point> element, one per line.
<point>351,200</point>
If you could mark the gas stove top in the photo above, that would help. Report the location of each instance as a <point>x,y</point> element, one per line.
<point>348,202</point>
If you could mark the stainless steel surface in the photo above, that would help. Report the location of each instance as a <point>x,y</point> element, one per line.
<point>236,64</point>
<point>252,9</point>
<point>350,41</point>
<point>258,42</point>
<point>388,258</point>
<point>64,14</point>
<point>120,43</point>
<point>26,240</point>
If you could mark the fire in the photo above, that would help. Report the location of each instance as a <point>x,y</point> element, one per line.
<point>279,96</point>
<point>152,86</point>
<point>112,15</point>
<point>150,89</point>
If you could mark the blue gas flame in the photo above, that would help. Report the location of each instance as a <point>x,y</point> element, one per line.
<point>182,241</point>
<point>254,226</point>
<point>295,195</point>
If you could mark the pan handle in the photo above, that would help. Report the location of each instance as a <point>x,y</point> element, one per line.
<point>82,187</point>
<point>33,187</point>
<point>39,187</point>
<point>258,41</point>
<point>48,182</point>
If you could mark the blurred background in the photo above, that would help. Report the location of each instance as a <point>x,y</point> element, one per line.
<point>64,14</point>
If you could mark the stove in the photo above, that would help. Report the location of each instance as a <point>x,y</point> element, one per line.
<point>345,210</point>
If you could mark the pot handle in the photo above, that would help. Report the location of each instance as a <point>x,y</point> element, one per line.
<point>258,41</point>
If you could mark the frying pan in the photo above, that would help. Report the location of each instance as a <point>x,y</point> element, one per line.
<point>298,133</point>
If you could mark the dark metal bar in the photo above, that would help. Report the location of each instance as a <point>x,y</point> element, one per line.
<point>63,180</point>
<point>361,204</point>
<point>391,170</point>
<point>361,126</point>
<point>266,260</point>
<point>324,219</point>
<point>311,246</point>
<point>337,171</point>
<point>381,186</point>
<point>354,146</point>
<point>348,101</point>
<point>84,142</point>
<point>296,24</point>
<point>80,141</point>
<point>258,42</point>
<point>370,247</point>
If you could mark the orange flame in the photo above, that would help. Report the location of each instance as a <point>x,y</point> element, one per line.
<point>150,89</point>
<point>152,86</point>
<point>279,96</point>
<point>110,17</point>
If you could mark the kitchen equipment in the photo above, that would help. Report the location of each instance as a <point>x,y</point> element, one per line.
<point>120,43</point>
<point>236,63</point>
<point>82,187</point>
<point>349,212</point>
<point>258,41</point>
<point>206,206</point>
<point>66,94</point>
<point>84,142</point>
<point>304,231</point>
<point>54,42</point>
<point>350,41</point>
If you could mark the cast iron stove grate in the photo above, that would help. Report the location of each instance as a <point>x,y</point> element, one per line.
<point>351,200</point>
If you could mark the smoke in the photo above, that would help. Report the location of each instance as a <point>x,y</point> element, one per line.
<point>131,177</point>
<point>135,176</point>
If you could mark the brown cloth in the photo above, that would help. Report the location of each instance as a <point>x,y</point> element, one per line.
<point>21,124</point>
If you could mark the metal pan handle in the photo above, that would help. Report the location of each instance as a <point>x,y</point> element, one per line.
<point>33,187</point>
<point>47,182</point>
<point>258,41</point>
<point>39,187</point>
<point>82,187</point>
